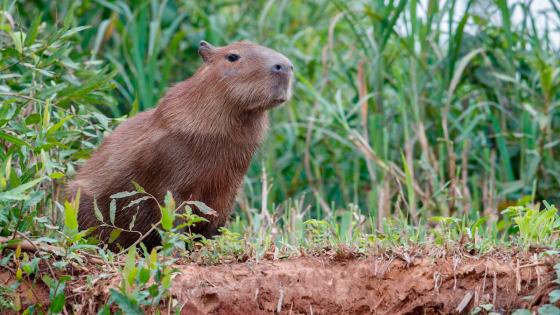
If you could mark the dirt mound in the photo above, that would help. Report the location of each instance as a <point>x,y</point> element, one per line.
<point>373,285</point>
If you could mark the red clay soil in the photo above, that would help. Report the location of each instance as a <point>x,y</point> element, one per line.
<point>337,285</point>
<point>315,285</point>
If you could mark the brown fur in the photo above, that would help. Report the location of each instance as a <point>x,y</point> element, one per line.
<point>197,143</point>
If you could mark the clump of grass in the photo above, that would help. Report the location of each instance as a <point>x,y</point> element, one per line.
<point>535,226</point>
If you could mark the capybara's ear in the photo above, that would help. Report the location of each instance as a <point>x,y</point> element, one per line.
<point>206,50</point>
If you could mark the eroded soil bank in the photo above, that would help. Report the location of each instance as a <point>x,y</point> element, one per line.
<point>372,285</point>
<point>332,284</point>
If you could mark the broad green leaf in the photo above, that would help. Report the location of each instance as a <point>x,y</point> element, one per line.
<point>70,217</point>
<point>144,275</point>
<point>57,304</point>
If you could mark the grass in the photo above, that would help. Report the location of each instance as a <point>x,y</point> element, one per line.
<point>412,122</point>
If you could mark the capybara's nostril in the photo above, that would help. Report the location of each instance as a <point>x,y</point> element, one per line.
<point>278,68</point>
<point>282,68</point>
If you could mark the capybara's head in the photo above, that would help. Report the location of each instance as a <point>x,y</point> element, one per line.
<point>251,77</point>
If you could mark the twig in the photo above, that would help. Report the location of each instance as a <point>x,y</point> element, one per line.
<point>280,301</point>
<point>392,169</point>
<point>518,277</point>
<point>37,249</point>
<point>29,245</point>
<point>464,302</point>
<point>22,96</point>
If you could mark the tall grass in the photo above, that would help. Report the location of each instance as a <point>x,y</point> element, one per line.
<point>401,109</point>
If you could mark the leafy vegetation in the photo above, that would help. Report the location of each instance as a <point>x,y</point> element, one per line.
<point>413,123</point>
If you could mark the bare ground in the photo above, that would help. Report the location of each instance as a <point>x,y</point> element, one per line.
<point>373,285</point>
<point>341,284</point>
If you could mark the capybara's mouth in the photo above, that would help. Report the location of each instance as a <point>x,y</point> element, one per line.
<point>282,93</point>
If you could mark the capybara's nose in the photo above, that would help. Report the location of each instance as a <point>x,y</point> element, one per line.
<point>282,67</point>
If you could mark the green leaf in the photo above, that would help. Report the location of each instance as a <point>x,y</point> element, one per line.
<point>153,258</point>
<point>129,305</point>
<point>124,194</point>
<point>105,310</point>
<point>202,207</point>
<point>138,188</point>
<point>168,212</point>
<point>59,124</point>
<point>18,192</point>
<point>144,275</point>
<point>137,201</point>
<point>57,304</point>
<point>70,217</point>
<point>74,30</point>
<point>169,201</point>
<point>458,74</point>
<point>33,119</point>
<point>48,281</point>
<point>132,222</point>
<point>115,233</point>
<point>69,17</point>
<point>19,39</point>
<point>13,139</point>
<point>549,309</point>
<point>521,312</point>
<point>153,290</point>
<point>167,218</point>
<point>134,108</point>
<point>166,280</point>
<point>56,175</point>
<point>46,114</point>
<point>554,296</point>
<point>96,211</point>
<point>130,269</point>
<point>112,210</point>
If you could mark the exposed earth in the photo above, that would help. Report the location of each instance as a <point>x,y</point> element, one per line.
<point>341,284</point>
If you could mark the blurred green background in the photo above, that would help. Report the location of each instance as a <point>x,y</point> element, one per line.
<point>402,109</point>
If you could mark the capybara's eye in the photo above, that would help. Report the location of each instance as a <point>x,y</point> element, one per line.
<point>233,57</point>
